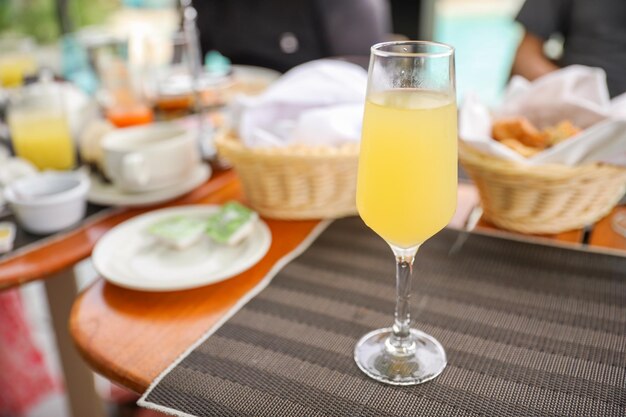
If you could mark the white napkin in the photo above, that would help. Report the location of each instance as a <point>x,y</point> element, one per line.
<point>575,93</point>
<point>320,102</point>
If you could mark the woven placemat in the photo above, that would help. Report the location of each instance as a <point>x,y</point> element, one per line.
<point>530,330</point>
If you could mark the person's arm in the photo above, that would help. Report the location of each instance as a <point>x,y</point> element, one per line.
<point>530,61</point>
<point>540,19</point>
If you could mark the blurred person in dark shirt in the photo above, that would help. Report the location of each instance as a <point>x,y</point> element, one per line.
<point>281,34</point>
<point>594,33</point>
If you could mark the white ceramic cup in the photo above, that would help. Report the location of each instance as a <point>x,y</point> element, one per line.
<point>150,157</point>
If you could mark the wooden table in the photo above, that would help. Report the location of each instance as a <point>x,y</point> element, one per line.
<point>131,337</point>
<point>113,326</point>
<point>51,260</point>
<point>55,254</point>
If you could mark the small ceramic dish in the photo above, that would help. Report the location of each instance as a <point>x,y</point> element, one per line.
<point>48,202</point>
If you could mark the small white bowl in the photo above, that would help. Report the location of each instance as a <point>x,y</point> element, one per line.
<point>48,202</point>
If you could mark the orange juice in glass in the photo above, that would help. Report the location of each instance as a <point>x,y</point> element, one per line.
<point>39,128</point>
<point>17,61</point>
<point>126,106</point>
<point>409,140</point>
<point>15,67</point>
<point>130,114</point>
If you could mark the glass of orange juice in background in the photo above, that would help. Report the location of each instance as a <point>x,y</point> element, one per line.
<point>125,110</point>
<point>39,127</point>
<point>17,61</point>
<point>124,103</point>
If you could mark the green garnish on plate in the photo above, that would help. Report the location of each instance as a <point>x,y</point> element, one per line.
<point>179,231</point>
<point>231,224</point>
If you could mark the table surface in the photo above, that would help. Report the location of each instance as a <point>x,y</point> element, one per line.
<point>53,254</point>
<point>131,337</point>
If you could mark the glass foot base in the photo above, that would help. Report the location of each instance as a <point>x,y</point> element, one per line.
<point>423,361</point>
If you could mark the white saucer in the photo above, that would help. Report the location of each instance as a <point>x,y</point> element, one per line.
<point>129,257</point>
<point>108,195</point>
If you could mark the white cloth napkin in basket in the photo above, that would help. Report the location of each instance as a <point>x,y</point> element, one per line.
<point>317,103</point>
<point>574,93</point>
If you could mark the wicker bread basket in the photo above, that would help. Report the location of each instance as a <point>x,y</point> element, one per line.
<point>542,199</point>
<point>295,182</point>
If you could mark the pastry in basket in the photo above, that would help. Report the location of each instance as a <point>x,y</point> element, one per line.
<point>524,138</point>
<point>562,131</point>
<point>522,130</point>
<point>520,148</point>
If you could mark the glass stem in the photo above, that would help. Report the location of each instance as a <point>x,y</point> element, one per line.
<point>401,342</point>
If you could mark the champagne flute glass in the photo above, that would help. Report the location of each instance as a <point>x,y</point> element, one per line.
<point>406,188</point>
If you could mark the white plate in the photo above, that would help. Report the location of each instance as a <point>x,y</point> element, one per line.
<point>108,194</point>
<point>129,257</point>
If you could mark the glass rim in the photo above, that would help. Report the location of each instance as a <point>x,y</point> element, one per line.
<point>448,50</point>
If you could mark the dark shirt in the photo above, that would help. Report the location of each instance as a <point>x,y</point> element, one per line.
<point>594,33</point>
<point>281,34</point>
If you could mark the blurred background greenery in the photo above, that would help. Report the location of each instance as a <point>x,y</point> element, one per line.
<point>39,18</point>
